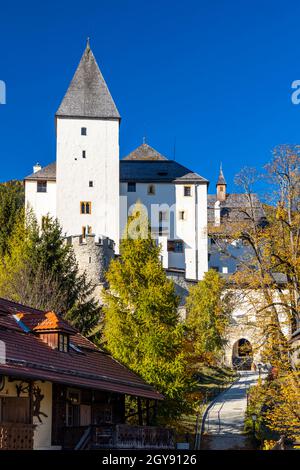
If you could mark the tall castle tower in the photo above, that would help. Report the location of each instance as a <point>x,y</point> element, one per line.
<point>87,174</point>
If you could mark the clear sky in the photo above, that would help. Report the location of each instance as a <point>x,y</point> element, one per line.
<point>213,74</point>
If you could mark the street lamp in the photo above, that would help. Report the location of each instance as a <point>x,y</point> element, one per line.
<point>254,419</point>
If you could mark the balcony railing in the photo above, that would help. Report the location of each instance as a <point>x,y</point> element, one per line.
<point>120,436</point>
<point>16,436</point>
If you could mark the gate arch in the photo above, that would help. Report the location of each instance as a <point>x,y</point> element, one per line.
<point>242,354</point>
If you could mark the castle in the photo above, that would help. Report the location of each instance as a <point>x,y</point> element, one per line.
<point>91,191</point>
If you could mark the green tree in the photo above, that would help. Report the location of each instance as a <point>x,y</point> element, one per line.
<point>40,269</point>
<point>208,309</point>
<point>11,201</point>
<point>141,324</point>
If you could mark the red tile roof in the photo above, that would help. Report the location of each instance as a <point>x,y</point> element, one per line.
<point>45,321</point>
<point>27,356</point>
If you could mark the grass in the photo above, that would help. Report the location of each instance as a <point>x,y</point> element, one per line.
<point>212,380</point>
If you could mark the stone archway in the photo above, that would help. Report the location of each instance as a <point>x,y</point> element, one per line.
<point>242,354</point>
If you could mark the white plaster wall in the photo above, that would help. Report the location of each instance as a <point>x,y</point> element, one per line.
<point>193,230</point>
<point>101,166</point>
<point>42,204</point>
<point>42,433</point>
<point>201,229</point>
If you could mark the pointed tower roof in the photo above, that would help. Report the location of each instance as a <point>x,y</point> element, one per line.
<point>88,95</point>
<point>145,152</point>
<point>221,178</point>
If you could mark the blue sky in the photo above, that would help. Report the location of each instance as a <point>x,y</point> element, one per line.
<point>214,75</point>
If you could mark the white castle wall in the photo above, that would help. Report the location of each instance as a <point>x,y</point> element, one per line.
<point>42,204</point>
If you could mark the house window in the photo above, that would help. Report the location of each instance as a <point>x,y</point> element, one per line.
<point>42,186</point>
<point>83,154</point>
<point>176,246</point>
<point>85,207</point>
<point>63,342</point>
<point>187,191</point>
<point>162,217</point>
<point>131,187</point>
<point>83,131</point>
<point>91,184</point>
<point>151,189</point>
<point>181,215</point>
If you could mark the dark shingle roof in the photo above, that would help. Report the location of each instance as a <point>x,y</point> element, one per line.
<point>157,171</point>
<point>143,171</point>
<point>88,95</point>
<point>234,207</point>
<point>145,152</point>
<point>47,173</point>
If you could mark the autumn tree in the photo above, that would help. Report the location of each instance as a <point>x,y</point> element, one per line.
<point>269,273</point>
<point>208,308</point>
<point>141,322</point>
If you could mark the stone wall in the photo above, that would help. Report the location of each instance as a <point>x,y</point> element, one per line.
<point>93,256</point>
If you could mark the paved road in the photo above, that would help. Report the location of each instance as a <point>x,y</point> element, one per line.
<point>224,424</point>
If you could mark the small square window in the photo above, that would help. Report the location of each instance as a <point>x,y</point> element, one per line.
<point>83,154</point>
<point>91,184</point>
<point>181,215</point>
<point>151,189</point>
<point>187,191</point>
<point>42,186</point>
<point>178,246</point>
<point>83,131</point>
<point>131,187</point>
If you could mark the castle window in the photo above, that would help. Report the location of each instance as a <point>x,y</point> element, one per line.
<point>83,154</point>
<point>83,131</point>
<point>182,215</point>
<point>41,186</point>
<point>151,189</point>
<point>85,207</point>
<point>175,245</point>
<point>187,191</point>
<point>131,187</point>
<point>63,342</point>
<point>91,184</point>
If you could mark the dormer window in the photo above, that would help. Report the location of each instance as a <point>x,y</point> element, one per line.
<point>63,342</point>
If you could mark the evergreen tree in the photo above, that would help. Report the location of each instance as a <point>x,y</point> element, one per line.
<point>40,269</point>
<point>207,316</point>
<point>141,327</point>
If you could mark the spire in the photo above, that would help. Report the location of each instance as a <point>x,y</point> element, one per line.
<point>88,94</point>
<point>221,179</point>
<point>221,186</point>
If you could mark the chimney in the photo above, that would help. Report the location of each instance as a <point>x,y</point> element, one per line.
<point>217,214</point>
<point>37,167</point>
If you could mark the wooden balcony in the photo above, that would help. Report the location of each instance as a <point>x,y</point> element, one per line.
<point>120,436</point>
<point>15,436</point>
